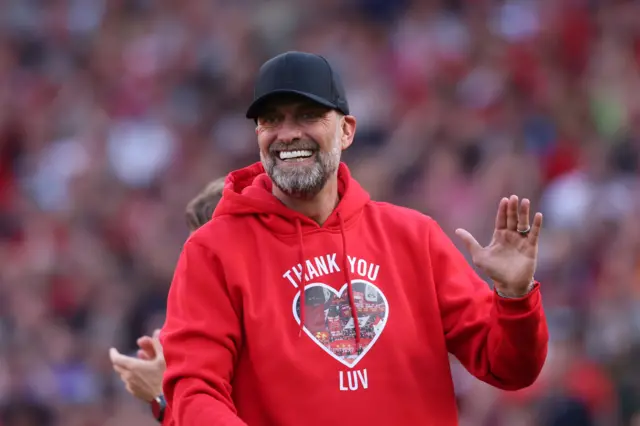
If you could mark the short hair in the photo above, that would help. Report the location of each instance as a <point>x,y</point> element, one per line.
<point>200,209</point>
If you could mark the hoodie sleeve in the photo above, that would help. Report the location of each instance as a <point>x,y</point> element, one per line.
<point>201,341</point>
<point>500,341</point>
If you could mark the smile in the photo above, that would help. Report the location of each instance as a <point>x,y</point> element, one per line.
<point>297,155</point>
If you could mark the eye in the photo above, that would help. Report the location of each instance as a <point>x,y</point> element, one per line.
<point>311,114</point>
<point>268,120</point>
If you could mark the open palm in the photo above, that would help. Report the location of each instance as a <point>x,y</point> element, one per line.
<point>510,259</point>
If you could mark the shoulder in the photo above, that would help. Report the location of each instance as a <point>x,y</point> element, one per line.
<point>403,217</point>
<point>219,233</point>
<point>401,222</point>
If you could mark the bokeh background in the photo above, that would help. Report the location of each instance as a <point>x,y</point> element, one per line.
<point>114,113</point>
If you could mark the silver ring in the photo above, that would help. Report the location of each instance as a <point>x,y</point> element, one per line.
<point>524,231</point>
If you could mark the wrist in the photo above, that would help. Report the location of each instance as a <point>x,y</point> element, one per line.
<point>516,295</point>
<point>158,407</point>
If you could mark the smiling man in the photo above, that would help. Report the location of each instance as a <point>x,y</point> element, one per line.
<point>303,302</point>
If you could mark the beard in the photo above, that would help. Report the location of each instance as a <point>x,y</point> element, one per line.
<point>301,181</point>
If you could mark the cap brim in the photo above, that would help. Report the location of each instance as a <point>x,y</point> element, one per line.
<point>258,105</point>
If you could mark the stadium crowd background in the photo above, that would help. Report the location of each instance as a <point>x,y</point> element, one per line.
<point>114,113</point>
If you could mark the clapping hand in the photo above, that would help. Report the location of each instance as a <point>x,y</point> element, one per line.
<point>142,376</point>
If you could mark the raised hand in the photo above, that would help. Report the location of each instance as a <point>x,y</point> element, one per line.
<point>510,259</point>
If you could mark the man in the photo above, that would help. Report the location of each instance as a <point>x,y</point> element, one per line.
<point>236,338</point>
<point>142,376</point>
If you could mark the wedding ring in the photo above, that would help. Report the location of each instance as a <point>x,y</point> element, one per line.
<point>524,231</point>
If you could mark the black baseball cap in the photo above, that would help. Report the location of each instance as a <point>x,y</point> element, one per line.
<point>298,73</point>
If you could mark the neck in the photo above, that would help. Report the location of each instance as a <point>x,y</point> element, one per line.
<point>319,207</point>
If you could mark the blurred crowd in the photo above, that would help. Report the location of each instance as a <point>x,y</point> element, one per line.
<point>114,113</point>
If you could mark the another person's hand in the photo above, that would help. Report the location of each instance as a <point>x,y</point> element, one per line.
<point>142,376</point>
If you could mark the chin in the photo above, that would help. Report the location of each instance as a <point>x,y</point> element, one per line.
<point>303,189</point>
<point>300,181</point>
<point>300,193</point>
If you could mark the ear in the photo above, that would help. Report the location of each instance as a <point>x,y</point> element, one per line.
<point>348,124</point>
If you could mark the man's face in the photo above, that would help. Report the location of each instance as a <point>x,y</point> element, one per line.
<point>301,143</point>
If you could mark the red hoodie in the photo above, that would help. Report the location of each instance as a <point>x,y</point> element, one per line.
<point>234,348</point>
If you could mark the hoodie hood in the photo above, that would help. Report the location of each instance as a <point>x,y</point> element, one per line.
<point>248,191</point>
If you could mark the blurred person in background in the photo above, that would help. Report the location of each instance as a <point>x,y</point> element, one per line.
<point>142,375</point>
<point>296,223</point>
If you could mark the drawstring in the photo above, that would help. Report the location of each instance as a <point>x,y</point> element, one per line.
<point>345,266</point>
<point>303,281</point>
<point>352,301</point>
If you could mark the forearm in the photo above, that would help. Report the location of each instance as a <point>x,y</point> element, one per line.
<point>517,341</point>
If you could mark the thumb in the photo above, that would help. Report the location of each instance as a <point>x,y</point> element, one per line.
<point>121,360</point>
<point>113,354</point>
<point>473,246</point>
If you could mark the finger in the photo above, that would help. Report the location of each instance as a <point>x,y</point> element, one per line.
<point>113,352</point>
<point>156,333</point>
<point>469,241</point>
<point>146,344</point>
<point>523,215</point>
<point>146,354</point>
<point>512,213</point>
<point>535,228</point>
<point>125,361</point>
<point>501,216</point>
<point>142,339</point>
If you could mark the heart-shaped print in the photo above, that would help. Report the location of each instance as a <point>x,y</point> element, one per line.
<point>329,323</point>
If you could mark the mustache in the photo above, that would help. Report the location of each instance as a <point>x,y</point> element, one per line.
<point>306,144</point>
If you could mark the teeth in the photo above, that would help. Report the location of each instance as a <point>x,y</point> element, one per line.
<point>291,155</point>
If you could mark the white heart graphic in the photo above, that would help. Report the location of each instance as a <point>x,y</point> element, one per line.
<point>328,314</point>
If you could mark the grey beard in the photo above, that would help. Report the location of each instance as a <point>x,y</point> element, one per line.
<point>302,181</point>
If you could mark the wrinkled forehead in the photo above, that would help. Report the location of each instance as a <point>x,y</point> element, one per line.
<point>290,104</point>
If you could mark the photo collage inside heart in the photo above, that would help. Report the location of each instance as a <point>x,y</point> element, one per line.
<point>329,321</point>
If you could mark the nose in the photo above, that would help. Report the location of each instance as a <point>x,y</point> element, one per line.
<point>289,131</point>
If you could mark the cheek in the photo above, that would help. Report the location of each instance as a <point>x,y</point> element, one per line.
<point>335,143</point>
<point>263,140</point>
